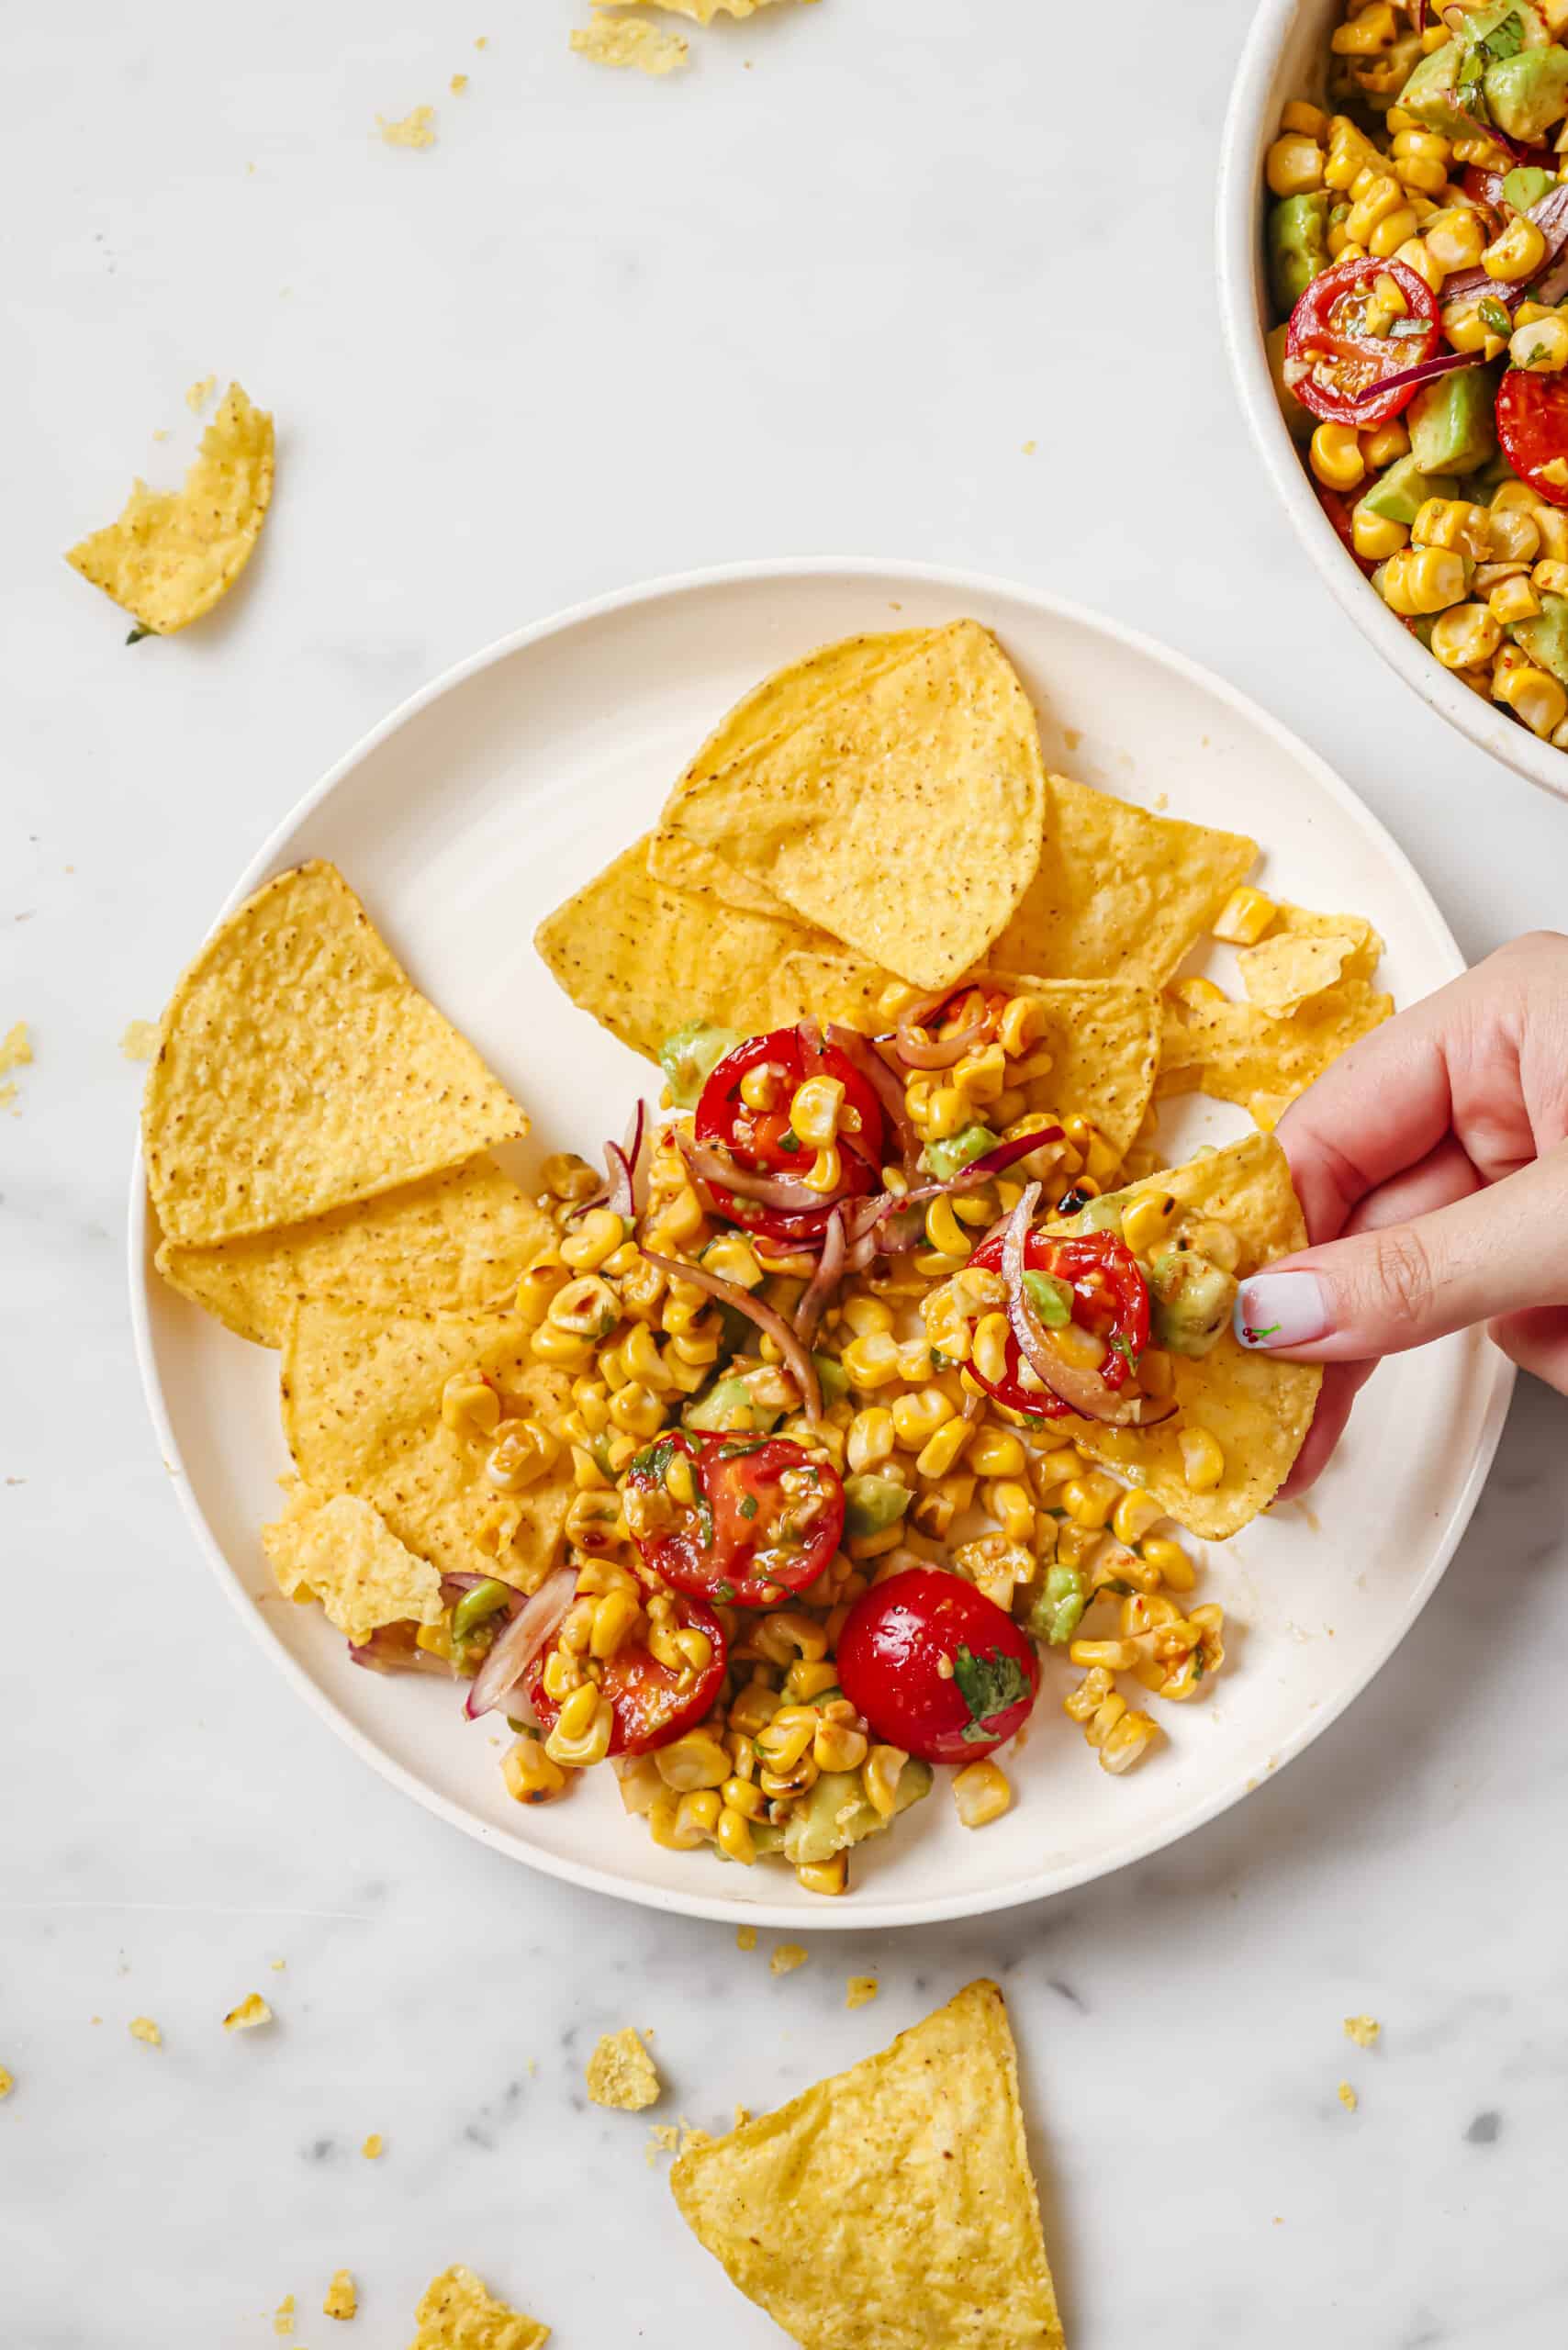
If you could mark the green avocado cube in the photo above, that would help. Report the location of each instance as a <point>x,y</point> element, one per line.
<point>1397,494</point>
<point>1452,421</point>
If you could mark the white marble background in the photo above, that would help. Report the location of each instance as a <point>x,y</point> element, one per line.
<point>814,298</point>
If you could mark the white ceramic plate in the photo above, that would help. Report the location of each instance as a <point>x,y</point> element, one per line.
<point>1285,57</point>
<point>469,814</point>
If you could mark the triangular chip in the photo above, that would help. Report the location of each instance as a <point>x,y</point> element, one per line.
<point>1304,953</point>
<point>835,673</point>
<point>457,2313</point>
<point>346,1553</point>
<point>644,958</point>
<point>1119,893</point>
<point>1257,1407</point>
<point>301,1069</point>
<point>1241,1053</point>
<point>906,820</point>
<point>174,553</point>
<point>451,1242</point>
<point>362,1411</point>
<point>892,2207</point>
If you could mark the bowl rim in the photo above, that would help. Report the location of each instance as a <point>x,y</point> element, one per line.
<point>1248,125</point>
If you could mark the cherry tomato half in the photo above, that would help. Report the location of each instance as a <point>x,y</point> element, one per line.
<point>651,1702</point>
<point>1532,425</point>
<point>1329,338</point>
<point>1338,509</point>
<point>936,1667</point>
<point>762,1140</point>
<point>1110,1297</point>
<point>766,1521</point>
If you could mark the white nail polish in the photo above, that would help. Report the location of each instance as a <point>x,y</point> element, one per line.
<point>1281,1310</point>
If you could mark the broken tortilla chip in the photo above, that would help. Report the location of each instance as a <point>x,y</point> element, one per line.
<point>457,2313</point>
<point>362,1411</point>
<point>891,2208</point>
<point>174,553</point>
<point>1257,1407</point>
<point>453,1241</point>
<point>346,1553</point>
<point>1304,953</point>
<point>906,820</point>
<point>301,1069</point>
<point>1241,1053</point>
<point>630,40</point>
<point>622,2074</point>
<point>1119,893</point>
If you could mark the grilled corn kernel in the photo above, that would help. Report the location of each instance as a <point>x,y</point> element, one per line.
<point>781,1742</point>
<point>1513,598</point>
<point>824,1877</point>
<point>1115,1656</point>
<point>981,1793</point>
<point>664,1814</point>
<point>945,1232</point>
<point>583,1729</point>
<point>699,1812</point>
<point>1134,1514</point>
<point>1380,196</point>
<point>870,1362</point>
<point>469,1404</point>
<point>1395,229</point>
<point>1454,522</point>
<point>1516,535</point>
<point>561,1674</point>
<point>586,1308</point>
<point>807,1678</point>
<point>1294,165</point>
<point>1535,697</point>
<point>870,1440</point>
<point>597,1237</point>
<point>1517,254</point>
<point>839,1747</point>
<point>531,1774</point>
<point>917,1417</point>
<point>1334,456</point>
<point>559,1347</point>
<point>745,1796</point>
<point>1364,34</point>
<point>1386,443</point>
<point>941,1451</point>
<point>816,1111</point>
<point>1203,1460</point>
<point>754,1708</point>
<point>880,1777</point>
<point>868,1318</point>
<point>786,1633</point>
<point>1415,254</point>
<point>1297,115</point>
<point>694,1760</point>
<point>1168,1560</point>
<point>1148,1220</point>
<point>995,1452</point>
<point>522,1451</point>
<point>1090,1500</point>
<point>1012,1507</point>
<point>569,1176</point>
<point>636,1411</point>
<point>1541,346</point>
<point>733,1260</point>
<point>1423,580</point>
<point>1466,636</point>
<point>1127,1738</point>
<point>734,1836</point>
<point>1350,152</point>
<point>1454,237</point>
<point>1375,535</point>
<point>761,1086</point>
<point>1019,1026</point>
<point>613,1620</point>
<point>988,1349</point>
<point>1244,917</point>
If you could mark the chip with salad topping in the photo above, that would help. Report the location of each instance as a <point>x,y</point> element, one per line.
<point>345,1551</point>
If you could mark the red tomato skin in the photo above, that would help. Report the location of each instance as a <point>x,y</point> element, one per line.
<point>1311,332</point>
<point>719,1112</point>
<point>1532,425</point>
<point>710,1575</point>
<point>1044,1252</point>
<point>893,1639</point>
<point>638,1688</point>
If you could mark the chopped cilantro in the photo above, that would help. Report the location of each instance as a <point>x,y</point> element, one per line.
<point>748,1508</point>
<point>1505,39</point>
<point>138,632</point>
<point>789,1139</point>
<point>1199,1667</point>
<point>988,1685</point>
<point>735,1448</point>
<point>654,1459</point>
<point>723,1593</point>
<point>1123,1346</point>
<point>704,1517</point>
<point>1494,314</point>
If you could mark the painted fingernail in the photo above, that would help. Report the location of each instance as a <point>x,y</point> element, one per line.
<point>1281,1310</point>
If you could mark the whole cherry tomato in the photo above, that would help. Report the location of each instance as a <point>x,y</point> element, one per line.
<point>766,1520</point>
<point>936,1667</point>
<point>762,1140</point>
<point>1333,359</point>
<point>653,1702</point>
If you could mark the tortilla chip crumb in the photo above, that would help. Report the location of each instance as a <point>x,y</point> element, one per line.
<point>252,2010</point>
<point>743,2115</point>
<point>786,1957</point>
<point>282,2318</point>
<point>1348,2097</point>
<point>372,2148</point>
<point>621,2073</point>
<point>457,2313</point>
<point>483,42</point>
<point>7,1096</point>
<point>143,2028</point>
<point>278,1965</point>
<point>1365,2030</point>
<point>679,2138</point>
<point>613,40</point>
<point>141,1040</point>
<point>417,129</point>
<point>457,85</point>
<point>861,1990</point>
<point>1030,447</point>
<point>199,394</point>
<point>16,1049</point>
<point>342,2299</point>
<point>745,1937</point>
<point>7,2082</point>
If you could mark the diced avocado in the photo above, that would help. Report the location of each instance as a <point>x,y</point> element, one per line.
<point>1545,636</point>
<point>1429,94</point>
<point>836,1813</point>
<point>1484,484</point>
<point>873,1503</point>
<point>1298,245</point>
<point>1450,420</point>
<point>1103,1214</point>
<point>1399,494</point>
<point>689,1054</point>
<point>1053,1607</point>
<point>1051,1299</point>
<point>1526,185</point>
<point>1300,422</point>
<point>1188,1301</point>
<point>1527,93</point>
<point>971,1142</point>
<point>832,1377</point>
<point>730,1404</point>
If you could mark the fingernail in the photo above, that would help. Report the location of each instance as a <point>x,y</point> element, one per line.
<point>1281,1310</point>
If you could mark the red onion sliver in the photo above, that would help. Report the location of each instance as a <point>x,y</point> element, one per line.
<point>715,1165</point>
<point>888,1086</point>
<point>823,1281</point>
<point>521,1641</point>
<point>1443,362</point>
<point>797,1358</point>
<point>1084,1390</point>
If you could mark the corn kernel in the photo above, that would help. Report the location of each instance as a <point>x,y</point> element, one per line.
<point>569,1176</point>
<point>1148,1220</point>
<point>734,1835</point>
<point>1297,115</point>
<point>1518,253</point>
<point>918,1417</point>
<point>595,1238</point>
<point>1294,165</point>
<point>1203,1460</point>
<point>695,1760</point>
<point>1375,535</point>
<point>942,1450</point>
<point>1535,697</point>
<point>1244,917</point>
<point>839,1747</point>
<point>824,1877</point>
<point>1423,580</point>
<point>944,1231</point>
<point>1335,455</point>
<point>470,1404</point>
<point>1134,1514</point>
<point>871,1361</point>
<point>1453,239</point>
<point>995,1452</point>
<point>1466,636</point>
<point>531,1774</point>
<point>981,1793</point>
<point>988,1348</point>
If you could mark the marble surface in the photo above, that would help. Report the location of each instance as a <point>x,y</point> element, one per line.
<point>815,298</point>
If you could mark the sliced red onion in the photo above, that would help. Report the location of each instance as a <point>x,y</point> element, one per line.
<point>1084,1390</point>
<point>823,1281</point>
<point>888,1086</point>
<point>619,1189</point>
<point>797,1358</point>
<point>713,1165</point>
<point>932,1052</point>
<point>386,1650</point>
<point>1443,364</point>
<point>527,1633</point>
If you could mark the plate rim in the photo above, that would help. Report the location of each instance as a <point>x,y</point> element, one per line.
<point>717,1907</point>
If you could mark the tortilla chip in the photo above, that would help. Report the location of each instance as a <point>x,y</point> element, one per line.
<point>1241,1053</point>
<point>1119,894</point>
<point>457,2313</point>
<point>702,12</point>
<point>832,674</point>
<point>361,1395</point>
<point>621,40</point>
<point>416,128</point>
<point>453,1241</point>
<point>622,2074</point>
<point>1304,953</point>
<point>891,2208</point>
<point>174,553</point>
<point>906,821</point>
<point>301,1069</point>
<point>345,1551</point>
<point>1258,1407</point>
<point>643,957</point>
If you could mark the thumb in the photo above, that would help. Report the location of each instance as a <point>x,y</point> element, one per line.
<point>1500,1250</point>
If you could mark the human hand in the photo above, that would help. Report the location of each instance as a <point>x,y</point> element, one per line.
<point>1431,1162</point>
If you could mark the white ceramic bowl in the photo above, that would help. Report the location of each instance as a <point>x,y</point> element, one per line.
<point>1285,57</point>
